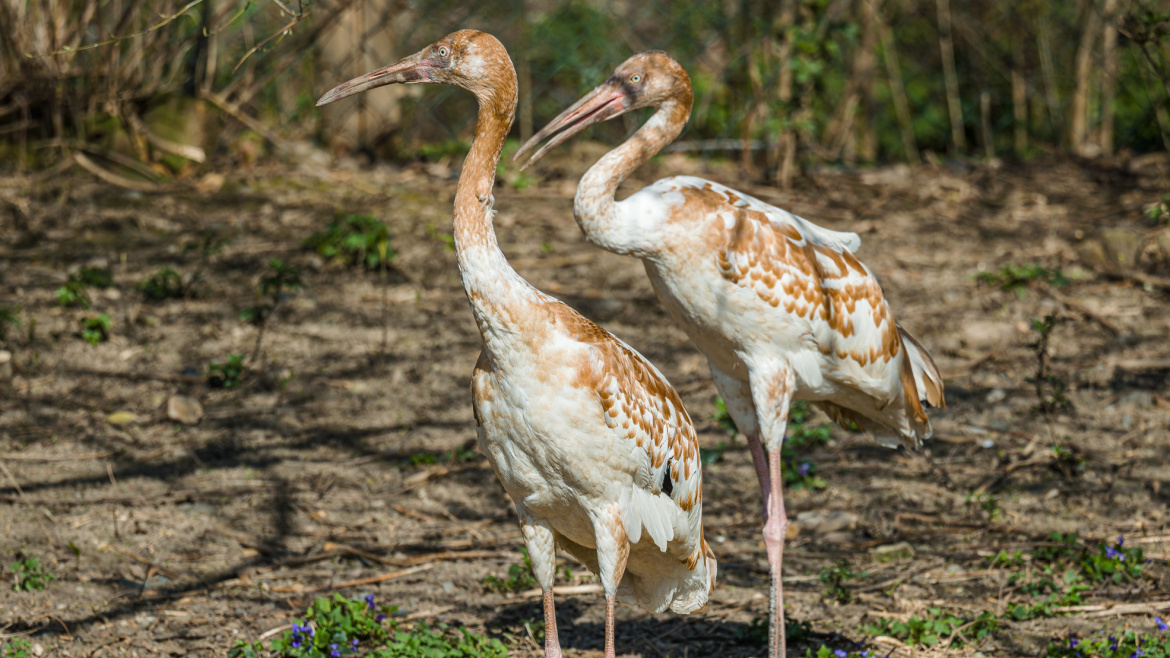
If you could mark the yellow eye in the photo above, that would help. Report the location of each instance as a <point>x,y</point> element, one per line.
<point>443,52</point>
<point>636,78</point>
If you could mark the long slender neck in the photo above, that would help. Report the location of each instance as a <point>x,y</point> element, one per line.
<point>498,295</point>
<point>595,207</point>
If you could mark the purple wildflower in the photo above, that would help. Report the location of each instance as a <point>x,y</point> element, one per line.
<point>1120,541</point>
<point>840,653</point>
<point>803,470</point>
<point>1162,626</point>
<point>1114,554</point>
<point>296,642</point>
<point>379,618</point>
<point>1072,641</point>
<point>334,652</point>
<point>370,601</point>
<point>353,644</point>
<point>1113,646</point>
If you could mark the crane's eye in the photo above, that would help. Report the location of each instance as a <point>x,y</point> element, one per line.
<point>636,78</point>
<point>443,52</point>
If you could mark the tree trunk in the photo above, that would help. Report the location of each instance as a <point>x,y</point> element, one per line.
<point>947,48</point>
<point>1048,72</point>
<point>863,65</point>
<point>1019,98</point>
<point>985,124</point>
<point>787,138</point>
<point>898,91</point>
<point>1084,67</point>
<point>1108,76</point>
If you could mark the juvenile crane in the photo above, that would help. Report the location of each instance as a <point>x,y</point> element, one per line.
<point>781,307</point>
<point>588,438</point>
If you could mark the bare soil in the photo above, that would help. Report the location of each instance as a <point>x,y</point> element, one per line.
<point>308,475</point>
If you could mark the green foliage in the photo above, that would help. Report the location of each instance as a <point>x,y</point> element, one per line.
<point>988,503</point>
<point>280,277</point>
<point>16,647</point>
<point>1159,213</point>
<point>96,329</point>
<point>708,456</point>
<point>1118,644</point>
<point>722,417</point>
<point>935,627</point>
<point>226,375</point>
<point>1004,559</point>
<point>447,239</point>
<point>73,295</point>
<point>165,283</point>
<point>356,240</point>
<point>29,575</point>
<point>9,315</point>
<point>1017,277</point>
<point>338,626</point>
<point>834,579</point>
<point>510,173</point>
<point>799,472</point>
<point>756,632</point>
<point>457,456</point>
<point>94,277</point>
<point>519,577</point>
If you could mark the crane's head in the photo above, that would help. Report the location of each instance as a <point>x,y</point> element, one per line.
<point>647,79</point>
<point>467,58</point>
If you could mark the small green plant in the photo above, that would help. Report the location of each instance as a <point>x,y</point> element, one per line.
<point>354,239</point>
<point>722,417</point>
<point>16,647</point>
<point>708,456</point>
<point>226,375</point>
<point>1118,644</point>
<point>1006,560</point>
<point>519,577</point>
<point>96,329</point>
<point>73,295</point>
<point>447,239</point>
<point>988,503</point>
<point>936,626</point>
<point>165,283</point>
<point>272,287</point>
<point>29,576</point>
<point>1017,277</point>
<point>1159,213</point>
<point>834,579</point>
<point>9,315</point>
<point>335,627</point>
<point>460,455</point>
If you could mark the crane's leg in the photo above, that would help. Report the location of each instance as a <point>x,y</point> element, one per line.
<point>772,390</point>
<point>538,539</point>
<point>613,549</point>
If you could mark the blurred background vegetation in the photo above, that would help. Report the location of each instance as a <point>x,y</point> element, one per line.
<point>150,89</point>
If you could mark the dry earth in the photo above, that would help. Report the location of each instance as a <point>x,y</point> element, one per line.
<point>304,478</point>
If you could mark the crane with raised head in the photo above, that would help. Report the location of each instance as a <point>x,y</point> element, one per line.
<point>781,307</point>
<point>589,440</point>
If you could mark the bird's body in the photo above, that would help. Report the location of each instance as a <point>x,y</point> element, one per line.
<point>589,439</point>
<point>781,307</point>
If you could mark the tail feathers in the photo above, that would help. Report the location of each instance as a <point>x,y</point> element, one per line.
<point>649,512</point>
<point>927,379</point>
<point>881,432</point>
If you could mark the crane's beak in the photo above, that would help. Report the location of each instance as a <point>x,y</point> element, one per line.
<point>410,70</point>
<point>605,102</point>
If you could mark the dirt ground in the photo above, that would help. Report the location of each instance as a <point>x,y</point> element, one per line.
<point>316,471</point>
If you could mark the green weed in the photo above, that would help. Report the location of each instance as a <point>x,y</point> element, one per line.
<point>1016,278</point>
<point>722,417</point>
<point>935,627</point>
<point>273,285</point>
<point>354,239</point>
<point>9,315</point>
<point>96,329</point>
<point>334,627</point>
<point>1125,644</point>
<point>16,647</point>
<point>988,503</point>
<point>226,375</point>
<point>1159,213</point>
<point>73,295</point>
<point>29,576</point>
<point>834,579</point>
<point>519,577</point>
<point>165,283</point>
<point>708,456</point>
<point>457,456</point>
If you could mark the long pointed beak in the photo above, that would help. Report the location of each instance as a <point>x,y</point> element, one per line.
<point>605,102</point>
<point>409,70</point>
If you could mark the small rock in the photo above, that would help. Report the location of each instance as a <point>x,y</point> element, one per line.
<point>183,409</point>
<point>121,418</point>
<point>38,650</point>
<point>5,365</point>
<point>448,586</point>
<point>987,335</point>
<point>825,522</point>
<point>996,395</point>
<point>900,552</point>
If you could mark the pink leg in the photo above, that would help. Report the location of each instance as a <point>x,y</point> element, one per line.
<point>761,463</point>
<point>774,529</point>
<point>552,644</point>
<point>609,648</point>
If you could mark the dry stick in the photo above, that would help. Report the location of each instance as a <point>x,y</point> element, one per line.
<point>38,458</point>
<point>238,114</point>
<point>360,581</point>
<point>114,179</point>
